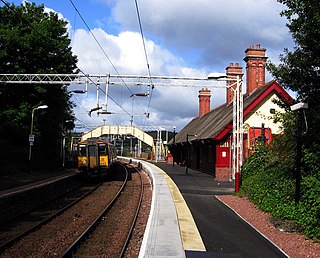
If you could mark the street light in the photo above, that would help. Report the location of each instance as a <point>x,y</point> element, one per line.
<point>31,136</point>
<point>187,151</point>
<point>174,142</point>
<point>299,107</point>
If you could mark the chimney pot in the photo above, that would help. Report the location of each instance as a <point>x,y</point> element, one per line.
<point>255,66</point>
<point>231,72</point>
<point>204,101</point>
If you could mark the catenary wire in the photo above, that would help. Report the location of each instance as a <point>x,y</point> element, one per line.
<point>44,37</point>
<point>146,56</point>
<point>104,52</point>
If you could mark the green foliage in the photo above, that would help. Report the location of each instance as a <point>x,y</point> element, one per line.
<point>298,71</point>
<point>299,68</point>
<point>268,180</point>
<point>34,41</point>
<point>308,215</point>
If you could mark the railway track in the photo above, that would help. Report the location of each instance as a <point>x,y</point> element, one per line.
<point>16,228</point>
<point>112,232</point>
<point>75,230</point>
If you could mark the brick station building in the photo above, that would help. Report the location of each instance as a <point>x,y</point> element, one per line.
<point>210,151</point>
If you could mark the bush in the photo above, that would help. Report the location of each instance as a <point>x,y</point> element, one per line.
<point>268,180</point>
<point>308,216</point>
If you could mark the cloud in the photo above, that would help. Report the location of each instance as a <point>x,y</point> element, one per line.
<point>168,104</point>
<point>183,38</point>
<point>216,31</point>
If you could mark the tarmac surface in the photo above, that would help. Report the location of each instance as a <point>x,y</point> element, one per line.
<point>223,233</point>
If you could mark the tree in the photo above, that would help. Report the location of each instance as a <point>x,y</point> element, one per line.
<point>300,69</point>
<point>33,41</point>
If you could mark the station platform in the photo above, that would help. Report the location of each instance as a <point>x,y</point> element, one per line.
<point>15,182</point>
<point>206,227</point>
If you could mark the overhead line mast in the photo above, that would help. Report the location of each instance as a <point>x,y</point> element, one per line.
<point>237,143</point>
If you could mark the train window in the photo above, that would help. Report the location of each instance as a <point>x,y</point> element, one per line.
<point>82,150</point>
<point>92,150</point>
<point>103,149</point>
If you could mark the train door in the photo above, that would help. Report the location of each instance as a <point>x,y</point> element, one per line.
<point>92,157</point>
<point>82,157</point>
<point>103,155</point>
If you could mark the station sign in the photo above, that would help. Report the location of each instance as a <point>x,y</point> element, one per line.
<point>31,138</point>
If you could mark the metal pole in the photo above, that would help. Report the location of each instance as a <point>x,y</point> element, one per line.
<point>107,91</point>
<point>173,146</point>
<point>98,93</point>
<point>298,157</point>
<point>63,151</point>
<point>31,131</point>
<point>238,136</point>
<point>187,154</point>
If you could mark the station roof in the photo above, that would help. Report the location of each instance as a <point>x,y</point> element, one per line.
<point>218,122</point>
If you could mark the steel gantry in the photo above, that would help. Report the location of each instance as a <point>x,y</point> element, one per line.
<point>235,84</point>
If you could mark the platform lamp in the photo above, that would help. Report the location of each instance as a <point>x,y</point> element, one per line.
<point>31,136</point>
<point>300,109</point>
<point>174,142</point>
<point>187,151</point>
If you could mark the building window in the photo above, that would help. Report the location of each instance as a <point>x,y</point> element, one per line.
<point>224,144</point>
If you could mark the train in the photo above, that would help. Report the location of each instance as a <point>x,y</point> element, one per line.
<point>95,156</point>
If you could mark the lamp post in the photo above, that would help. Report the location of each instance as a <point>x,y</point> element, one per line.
<point>299,108</point>
<point>31,136</point>
<point>187,151</point>
<point>174,142</point>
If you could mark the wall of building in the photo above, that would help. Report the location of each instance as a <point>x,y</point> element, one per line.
<point>202,156</point>
<point>262,115</point>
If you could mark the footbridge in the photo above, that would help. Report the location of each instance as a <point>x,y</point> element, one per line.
<point>126,130</point>
<point>119,130</point>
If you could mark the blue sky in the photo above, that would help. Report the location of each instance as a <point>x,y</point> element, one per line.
<point>184,38</point>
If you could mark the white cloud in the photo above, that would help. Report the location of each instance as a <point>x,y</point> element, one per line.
<point>127,55</point>
<point>183,38</point>
<point>217,30</point>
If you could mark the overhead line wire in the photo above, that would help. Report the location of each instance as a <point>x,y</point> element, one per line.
<point>43,36</point>
<point>146,56</point>
<point>85,111</point>
<point>104,52</point>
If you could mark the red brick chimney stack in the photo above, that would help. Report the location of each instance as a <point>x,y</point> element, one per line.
<point>232,72</point>
<point>204,101</point>
<point>255,67</point>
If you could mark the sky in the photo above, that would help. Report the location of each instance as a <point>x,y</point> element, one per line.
<point>182,38</point>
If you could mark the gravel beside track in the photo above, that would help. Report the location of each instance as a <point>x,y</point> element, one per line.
<point>293,244</point>
<point>17,226</point>
<point>109,237</point>
<point>138,232</point>
<point>53,238</point>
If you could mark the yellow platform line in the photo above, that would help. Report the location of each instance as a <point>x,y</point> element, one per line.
<point>190,235</point>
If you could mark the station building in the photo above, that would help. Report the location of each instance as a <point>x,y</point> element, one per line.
<point>210,150</point>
